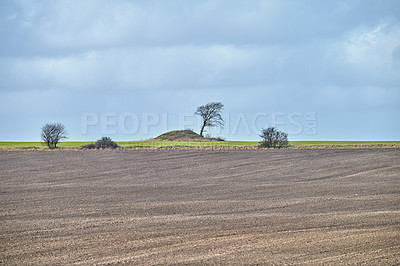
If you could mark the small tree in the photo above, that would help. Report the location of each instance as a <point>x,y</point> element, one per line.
<point>273,138</point>
<point>53,133</point>
<point>211,115</point>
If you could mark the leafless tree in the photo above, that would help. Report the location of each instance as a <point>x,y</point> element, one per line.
<point>281,140</point>
<point>53,133</point>
<point>211,115</point>
<point>273,138</point>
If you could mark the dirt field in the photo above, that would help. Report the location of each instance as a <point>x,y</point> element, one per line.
<point>200,207</point>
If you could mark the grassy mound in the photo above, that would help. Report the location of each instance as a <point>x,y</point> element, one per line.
<point>182,135</point>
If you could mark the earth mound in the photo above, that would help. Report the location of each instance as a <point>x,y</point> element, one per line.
<point>183,135</point>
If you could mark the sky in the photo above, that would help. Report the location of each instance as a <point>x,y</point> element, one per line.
<point>131,70</point>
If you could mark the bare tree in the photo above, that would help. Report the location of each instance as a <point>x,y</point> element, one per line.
<point>267,136</point>
<point>281,140</point>
<point>53,133</point>
<point>273,138</point>
<point>211,115</point>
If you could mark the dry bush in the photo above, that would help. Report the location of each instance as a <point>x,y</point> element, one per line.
<point>103,143</point>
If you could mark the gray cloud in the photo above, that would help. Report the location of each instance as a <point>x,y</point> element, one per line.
<point>70,25</point>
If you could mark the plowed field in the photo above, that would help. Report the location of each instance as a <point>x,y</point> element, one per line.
<point>200,207</point>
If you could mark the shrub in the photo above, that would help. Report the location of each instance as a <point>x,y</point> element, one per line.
<point>103,143</point>
<point>106,142</point>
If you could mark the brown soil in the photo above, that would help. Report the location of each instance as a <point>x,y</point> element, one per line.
<point>200,207</point>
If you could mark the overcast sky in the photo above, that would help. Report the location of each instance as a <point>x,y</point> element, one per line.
<point>320,70</point>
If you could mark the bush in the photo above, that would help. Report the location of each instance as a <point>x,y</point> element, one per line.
<point>103,143</point>
<point>106,142</point>
<point>272,138</point>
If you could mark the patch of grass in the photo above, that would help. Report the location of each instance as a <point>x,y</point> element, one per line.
<point>30,144</point>
<point>19,144</point>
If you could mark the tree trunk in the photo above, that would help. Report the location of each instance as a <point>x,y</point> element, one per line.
<point>202,129</point>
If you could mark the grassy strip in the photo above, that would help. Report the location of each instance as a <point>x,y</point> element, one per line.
<point>27,144</point>
<point>144,144</point>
